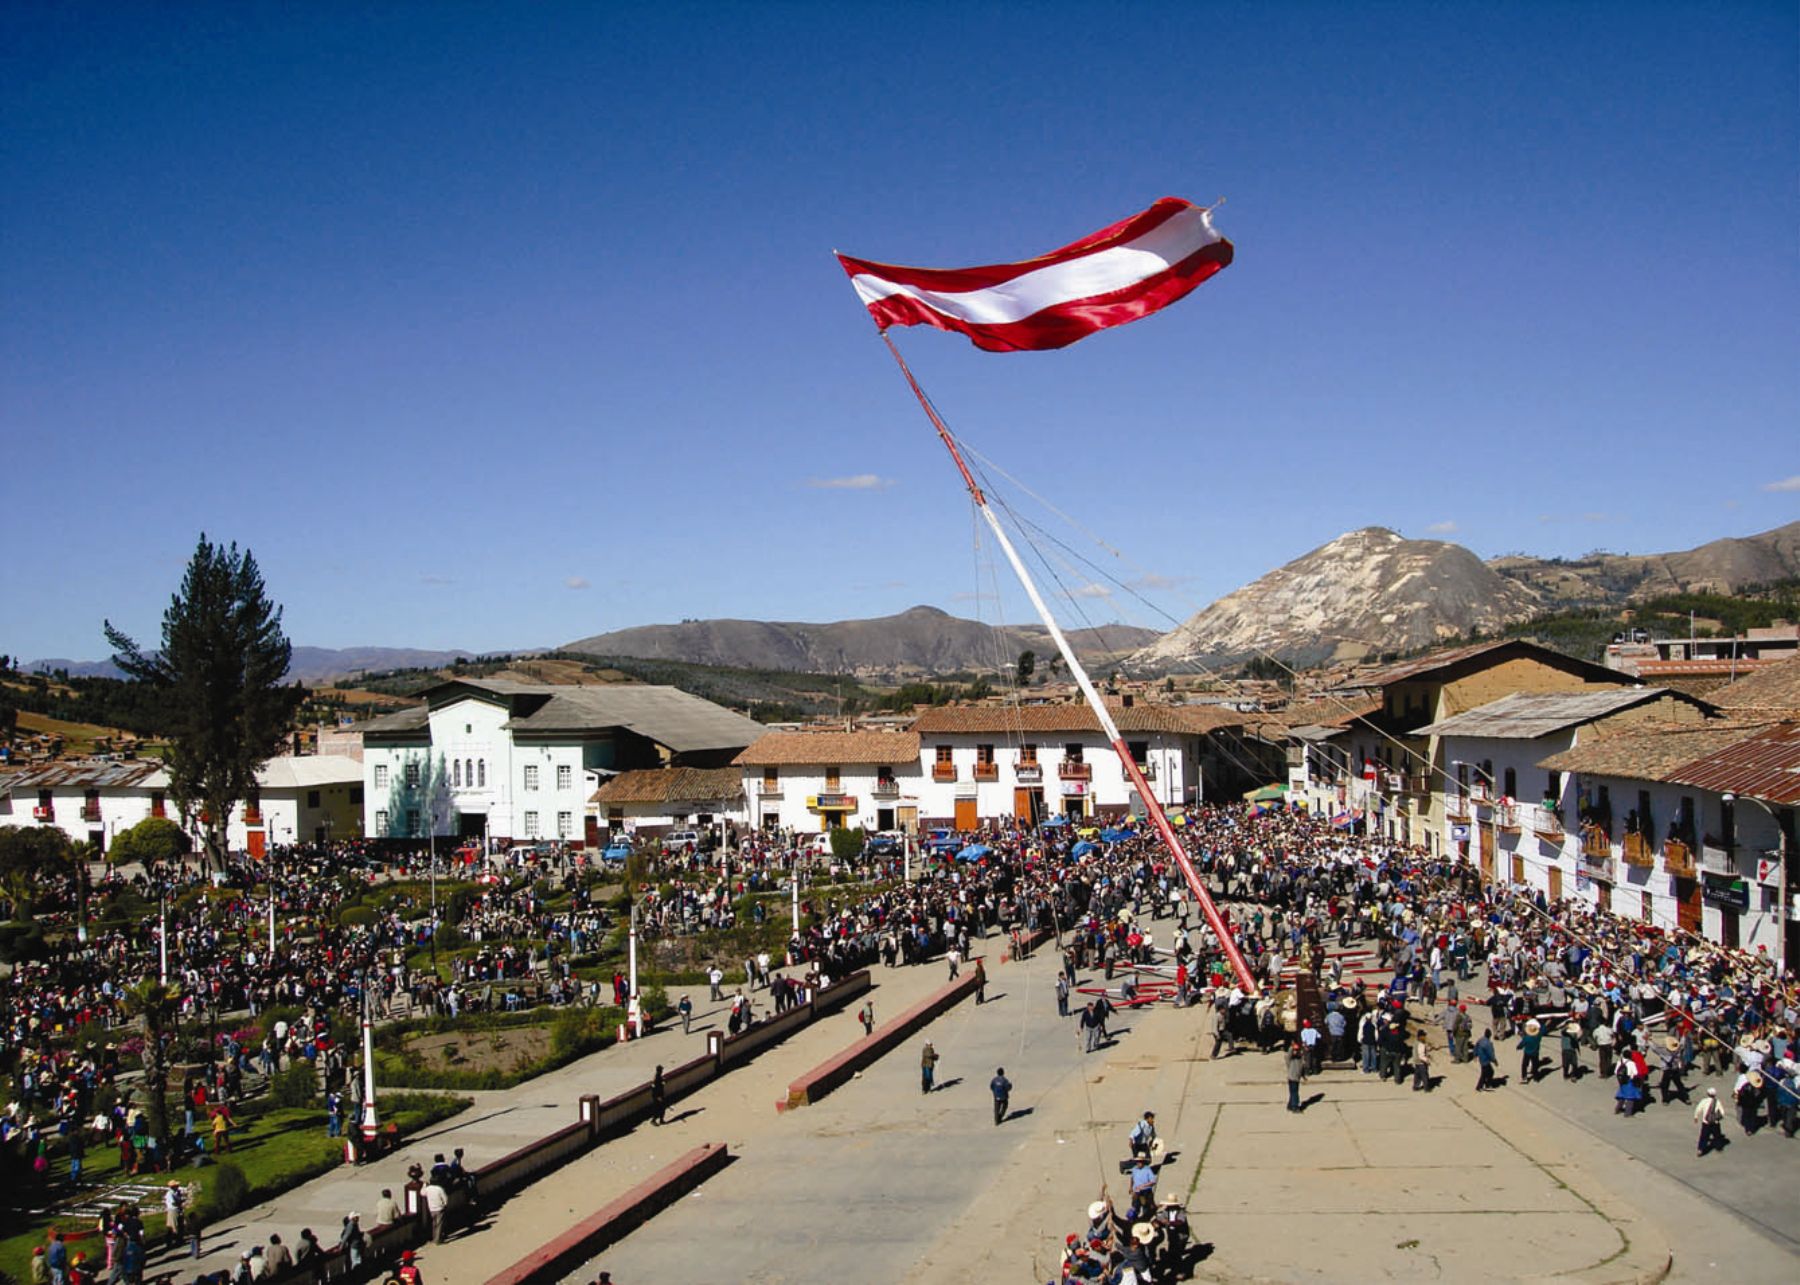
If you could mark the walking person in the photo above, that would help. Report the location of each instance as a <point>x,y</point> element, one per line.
<point>928,1060</point>
<point>1487,1057</point>
<point>867,1017</point>
<point>1296,1068</point>
<point>1421,1060</point>
<point>1710,1116</point>
<point>1062,995</point>
<point>1001,1088</point>
<point>1529,1044</point>
<point>659,1096</point>
<point>686,1009</point>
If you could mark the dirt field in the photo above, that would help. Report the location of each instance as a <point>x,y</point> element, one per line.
<point>477,1051</point>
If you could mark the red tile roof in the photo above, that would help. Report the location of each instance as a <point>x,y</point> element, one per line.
<point>828,749</point>
<point>1765,766</point>
<point>1022,720</point>
<point>672,785</point>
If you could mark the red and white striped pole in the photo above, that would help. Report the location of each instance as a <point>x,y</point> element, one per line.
<point>1158,818</point>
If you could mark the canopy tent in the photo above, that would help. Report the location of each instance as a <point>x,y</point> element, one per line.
<point>1113,834</point>
<point>1083,848</point>
<point>1052,823</point>
<point>974,852</point>
<point>1266,794</point>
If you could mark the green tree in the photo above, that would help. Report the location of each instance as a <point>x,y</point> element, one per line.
<point>152,1002</point>
<point>28,855</point>
<point>1027,667</point>
<point>219,673</point>
<point>152,842</point>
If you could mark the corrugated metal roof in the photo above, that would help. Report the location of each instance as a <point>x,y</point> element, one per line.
<point>413,719</point>
<point>1525,716</point>
<point>309,772</point>
<point>1765,766</point>
<point>667,715</point>
<point>1421,665</point>
<point>89,774</point>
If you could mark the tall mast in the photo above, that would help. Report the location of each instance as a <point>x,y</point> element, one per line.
<point>1133,773</point>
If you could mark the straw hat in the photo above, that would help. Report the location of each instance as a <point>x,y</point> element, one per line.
<point>1143,1233</point>
<point>1096,1209</point>
<point>1533,1027</point>
<point>1756,1080</point>
<point>1672,1043</point>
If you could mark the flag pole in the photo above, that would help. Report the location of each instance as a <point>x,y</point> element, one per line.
<point>1109,728</point>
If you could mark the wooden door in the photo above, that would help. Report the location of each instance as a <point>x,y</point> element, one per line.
<point>1555,884</point>
<point>1022,804</point>
<point>1688,908</point>
<point>1602,896</point>
<point>258,842</point>
<point>1518,868</point>
<point>965,814</point>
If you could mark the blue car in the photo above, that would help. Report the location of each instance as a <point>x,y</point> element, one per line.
<point>617,852</point>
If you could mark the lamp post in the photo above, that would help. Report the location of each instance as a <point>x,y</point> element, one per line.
<point>633,1011</point>
<point>796,887</point>
<point>162,932</point>
<point>368,1051</point>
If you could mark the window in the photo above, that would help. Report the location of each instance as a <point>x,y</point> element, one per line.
<point>381,776</point>
<point>565,825</point>
<point>531,776</point>
<point>771,779</point>
<point>1072,752</point>
<point>943,754</point>
<point>1027,756</point>
<point>468,729</point>
<point>531,825</point>
<point>157,807</point>
<point>468,771</point>
<point>1511,783</point>
<point>412,776</point>
<point>381,822</point>
<point>984,754</point>
<point>481,773</point>
<point>356,794</point>
<point>565,776</point>
<point>834,780</point>
<point>412,822</point>
<point>1727,824</point>
<point>456,773</point>
<point>312,798</point>
<point>1140,751</point>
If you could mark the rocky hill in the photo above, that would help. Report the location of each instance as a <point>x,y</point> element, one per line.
<point>1369,590</point>
<point>1721,566</point>
<point>919,641</point>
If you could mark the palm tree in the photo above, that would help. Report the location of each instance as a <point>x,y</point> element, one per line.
<point>151,1002</point>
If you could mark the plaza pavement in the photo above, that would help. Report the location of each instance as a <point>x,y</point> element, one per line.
<point>1372,1182</point>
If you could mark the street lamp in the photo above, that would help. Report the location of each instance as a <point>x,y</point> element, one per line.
<point>368,1048</point>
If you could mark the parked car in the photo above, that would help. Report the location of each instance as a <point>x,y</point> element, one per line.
<point>883,844</point>
<point>618,852</point>
<point>943,842</point>
<point>683,840</point>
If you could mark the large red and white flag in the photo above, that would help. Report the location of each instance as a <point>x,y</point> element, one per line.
<point>1118,274</point>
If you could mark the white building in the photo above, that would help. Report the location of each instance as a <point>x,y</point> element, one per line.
<point>983,763</point>
<point>312,798</point>
<point>1504,812</point>
<point>822,780</point>
<point>519,761</point>
<point>1692,828</point>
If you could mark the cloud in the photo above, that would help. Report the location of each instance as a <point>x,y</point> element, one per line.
<point>1153,580</point>
<point>1441,528</point>
<point>1786,484</point>
<point>1091,591</point>
<point>855,482</point>
<point>437,580</point>
<point>577,582</point>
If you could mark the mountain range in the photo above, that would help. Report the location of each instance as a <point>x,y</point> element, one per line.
<point>1366,591</point>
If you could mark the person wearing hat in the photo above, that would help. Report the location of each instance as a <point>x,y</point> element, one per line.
<point>1529,1044</point>
<point>1748,1094</point>
<point>1710,1116</point>
<point>1673,1064</point>
<point>408,1272</point>
<point>928,1060</point>
<point>1143,1136</point>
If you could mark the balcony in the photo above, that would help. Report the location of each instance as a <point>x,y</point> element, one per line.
<point>1597,867</point>
<point>1148,769</point>
<point>1029,774</point>
<point>1479,793</point>
<point>1456,807</point>
<point>1678,859</point>
<point>989,771</point>
<point>943,771</point>
<point>1547,824</point>
<point>253,816</point>
<point>885,787</point>
<point>1074,771</point>
<point>43,812</point>
<point>91,812</point>
<point>768,789</point>
<point>1596,842</point>
<point>1506,819</point>
<point>1638,853</point>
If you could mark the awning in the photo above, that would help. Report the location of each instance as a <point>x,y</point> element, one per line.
<point>1266,794</point>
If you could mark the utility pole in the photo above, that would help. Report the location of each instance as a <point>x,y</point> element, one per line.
<point>162,932</point>
<point>368,1047</point>
<point>633,1011</point>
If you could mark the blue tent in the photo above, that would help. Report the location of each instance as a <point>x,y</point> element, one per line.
<point>974,852</point>
<point>1083,848</point>
<point>1052,823</point>
<point>1112,834</point>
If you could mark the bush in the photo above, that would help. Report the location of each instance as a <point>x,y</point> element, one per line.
<point>20,941</point>
<point>228,1192</point>
<point>846,844</point>
<point>298,1086</point>
<point>450,937</point>
<point>356,916</point>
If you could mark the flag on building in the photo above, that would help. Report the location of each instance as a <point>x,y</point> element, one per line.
<point>1118,274</point>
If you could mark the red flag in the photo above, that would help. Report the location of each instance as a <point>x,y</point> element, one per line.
<point>1118,274</point>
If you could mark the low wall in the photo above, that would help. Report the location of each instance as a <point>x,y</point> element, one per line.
<point>555,1258</point>
<point>835,1071</point>
<point>1032,940</point>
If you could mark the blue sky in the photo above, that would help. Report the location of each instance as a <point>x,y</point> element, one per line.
<point>493,326</point>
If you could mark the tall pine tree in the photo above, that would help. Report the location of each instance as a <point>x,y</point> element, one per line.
<point>219,671</point>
